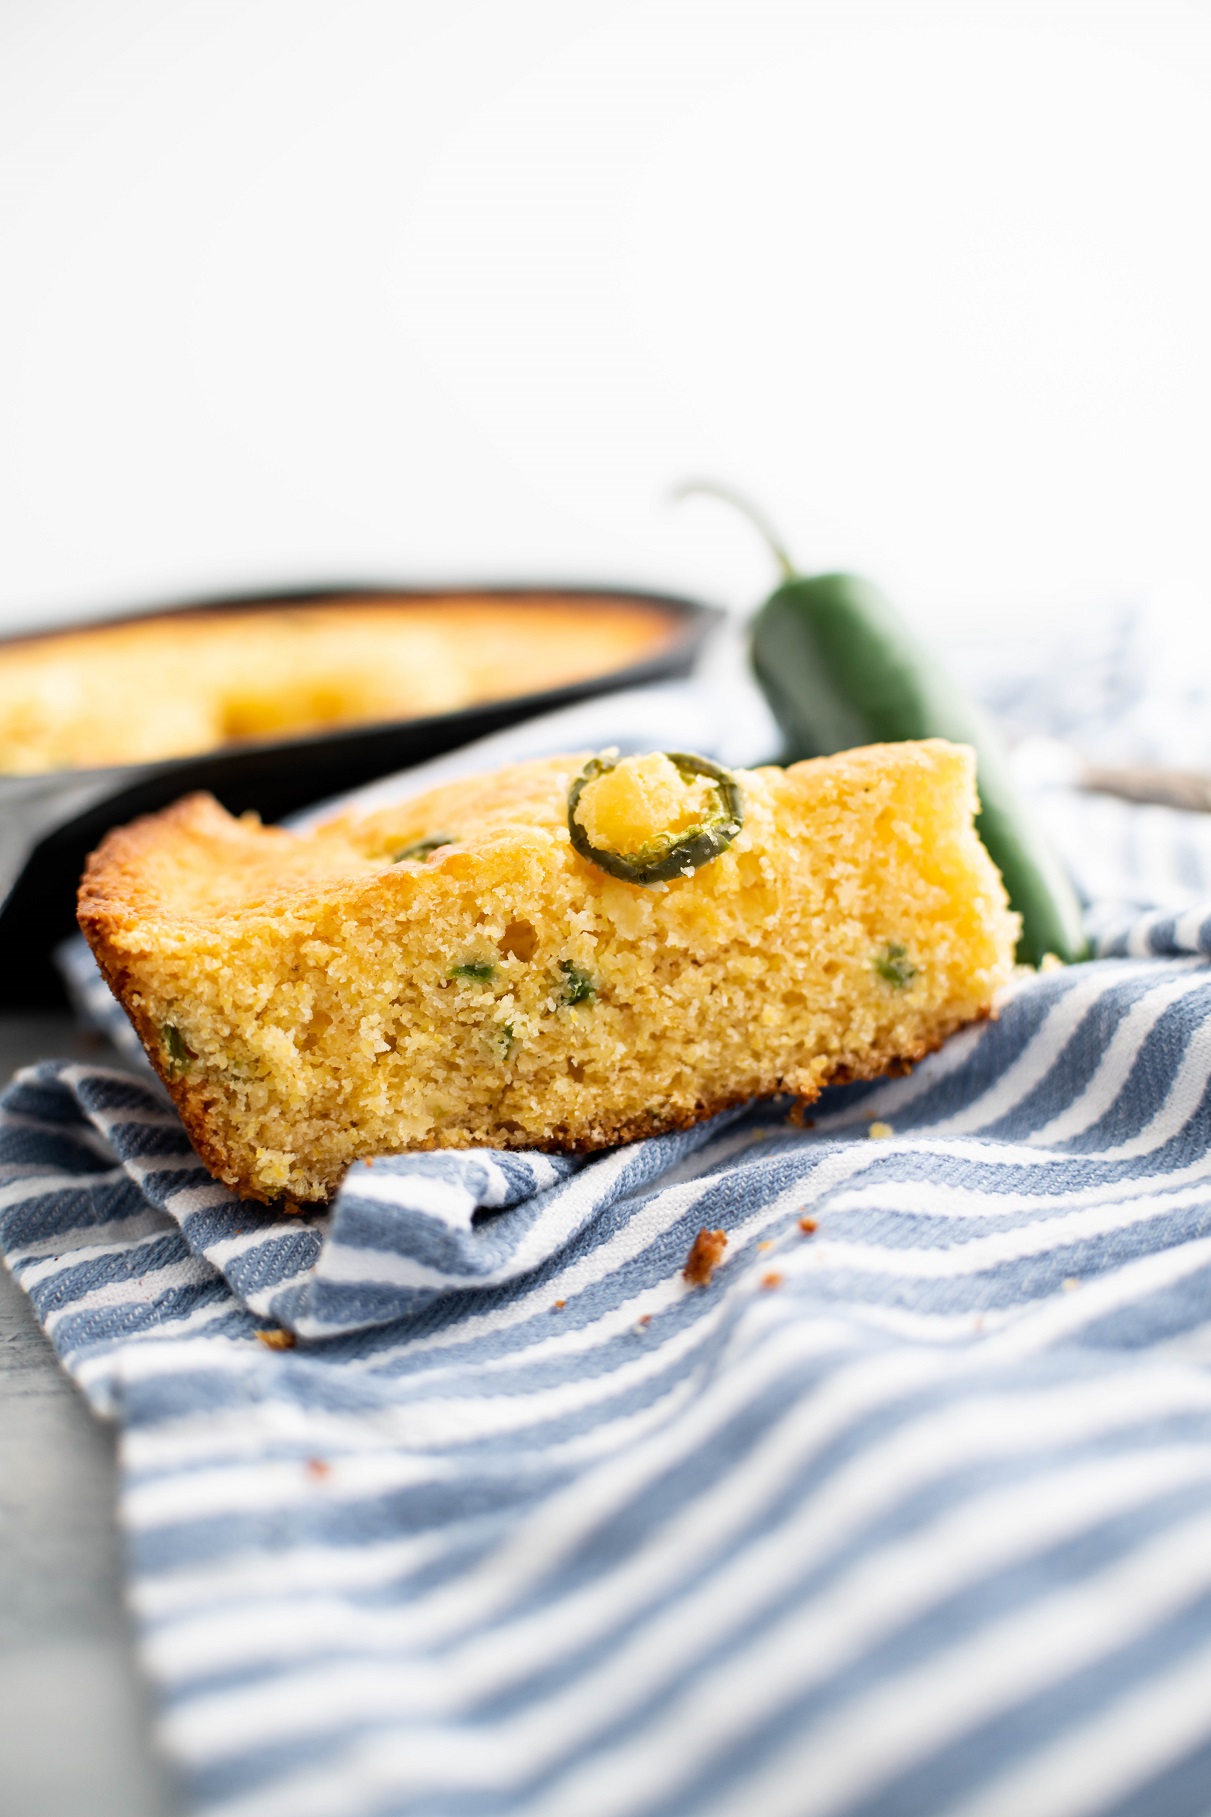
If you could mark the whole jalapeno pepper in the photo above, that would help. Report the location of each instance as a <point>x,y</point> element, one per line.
<point>841,667</point>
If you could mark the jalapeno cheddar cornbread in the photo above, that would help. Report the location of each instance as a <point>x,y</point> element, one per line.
<point>571,953</point>
<point>178,683</point>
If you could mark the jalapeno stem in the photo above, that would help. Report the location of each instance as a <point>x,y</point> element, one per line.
<point>706,488</point>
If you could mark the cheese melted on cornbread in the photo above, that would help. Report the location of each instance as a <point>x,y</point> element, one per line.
<point>310,999</point>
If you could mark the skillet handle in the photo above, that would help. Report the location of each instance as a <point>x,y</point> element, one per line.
<point>32,807</point>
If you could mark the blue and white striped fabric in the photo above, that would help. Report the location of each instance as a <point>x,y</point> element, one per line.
<point>906,1513</point>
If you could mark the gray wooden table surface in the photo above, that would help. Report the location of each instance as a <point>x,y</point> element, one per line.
<point>74,1723</point>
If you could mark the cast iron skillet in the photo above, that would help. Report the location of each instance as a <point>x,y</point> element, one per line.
<point>49,823</point>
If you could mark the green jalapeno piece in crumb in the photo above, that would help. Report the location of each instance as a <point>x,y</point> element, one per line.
<point>674,854</point>
<point>178,1054</point>
<point>578,987</point>
<point>415,854</point>
<point>479,971</point>
<point>894,965</point>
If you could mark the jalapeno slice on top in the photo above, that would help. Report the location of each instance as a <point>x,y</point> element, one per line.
<point>672,854</point>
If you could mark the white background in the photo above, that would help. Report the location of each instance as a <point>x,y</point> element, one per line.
<point>291,291</point>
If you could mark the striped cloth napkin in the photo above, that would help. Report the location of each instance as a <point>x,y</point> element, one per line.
<point>457,1500</point>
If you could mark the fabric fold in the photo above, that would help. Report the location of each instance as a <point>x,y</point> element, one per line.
<point>521,1509</point>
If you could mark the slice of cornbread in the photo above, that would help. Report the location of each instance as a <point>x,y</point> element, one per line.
<point>310,999</point>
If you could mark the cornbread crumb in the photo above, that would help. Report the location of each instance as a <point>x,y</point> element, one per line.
<point>808,1226</point>
<point>767,1244</point>
<point>313,999</point>
<point>277,1340</point>
<point>880,1131</point>
<point>560,1304</point>
<point>318,1467</point>
<point>771,1280</point>
<point>704,1257</point>
<point>1071,1284</point>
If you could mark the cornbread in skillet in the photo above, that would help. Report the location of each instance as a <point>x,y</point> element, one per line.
<point>167,686</point>
<point>361,990</point>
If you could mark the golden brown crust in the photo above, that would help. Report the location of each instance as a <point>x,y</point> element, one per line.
<point>98,922</point>
<point>111,894</point>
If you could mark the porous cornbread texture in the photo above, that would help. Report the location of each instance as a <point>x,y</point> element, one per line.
<point>312,999</point>
<point>166,686</point>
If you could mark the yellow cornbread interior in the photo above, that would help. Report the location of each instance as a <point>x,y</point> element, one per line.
<point>309,1001</point>
<point>166,686</point>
